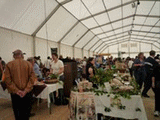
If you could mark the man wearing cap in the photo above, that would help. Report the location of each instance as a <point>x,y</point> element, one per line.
<point>19,78</point>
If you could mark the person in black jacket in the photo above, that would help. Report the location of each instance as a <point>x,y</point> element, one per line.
<point>156,87</point>
<point>90,69</point>
<point>150,65</point>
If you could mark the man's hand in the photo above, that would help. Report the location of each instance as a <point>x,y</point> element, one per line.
<point>21,93</point>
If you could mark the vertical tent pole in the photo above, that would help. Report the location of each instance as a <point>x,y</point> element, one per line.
<point>129,48</point>
<point>34,45</point>
<point>82,53</point>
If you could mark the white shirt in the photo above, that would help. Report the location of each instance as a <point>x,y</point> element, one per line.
<point>56,66</point>
<point>47,64</point>
<point>130,63</point>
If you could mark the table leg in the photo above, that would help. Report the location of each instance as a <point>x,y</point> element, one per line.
<point>50,111</point>
<point>38,102</point>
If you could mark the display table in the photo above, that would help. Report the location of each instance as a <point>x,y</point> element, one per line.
<point>130,112</point>
<point>50,88</point>
<point>134,106</point>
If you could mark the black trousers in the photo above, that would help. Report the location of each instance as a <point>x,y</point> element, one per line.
<point>21,106</point>
<point>131,72</point>
<point>157,99</point>
<point>140,78</point>
<point>147,83</point>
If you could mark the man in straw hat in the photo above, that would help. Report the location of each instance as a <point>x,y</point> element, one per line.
<point>19,78</point>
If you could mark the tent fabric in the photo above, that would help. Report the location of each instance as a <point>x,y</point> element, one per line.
<point>92,25</point>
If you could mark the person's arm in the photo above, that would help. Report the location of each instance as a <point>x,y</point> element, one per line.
<point>10,85</point>
<point>90,70</point>
<point>61,70</point>
<point>31,80</point>
<point>153,82</point>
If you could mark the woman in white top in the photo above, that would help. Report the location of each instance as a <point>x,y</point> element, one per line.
<point>57,66</point>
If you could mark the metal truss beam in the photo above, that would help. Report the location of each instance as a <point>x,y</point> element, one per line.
<point>146,32</point>
<point>152,16</point>
<point>68,31</point>
<point>112,22</point>
<point>88,42</point>
<point>115,29</point>
<point>145,36</point>
<point>97,47</point>
<point>115,38</point>
<point>146,25</point>
<point>94,45</point>
<point>145,40</point>
<point>127,3</point>
<point>45,21</point>
<point>101,48</point>
<point>80,38</point>
<point>114,35</point>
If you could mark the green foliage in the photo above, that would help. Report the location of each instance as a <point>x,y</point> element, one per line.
<point>106,109</point>
<point>53,76</point>
<point>102,76</point>
<point>138,110</point>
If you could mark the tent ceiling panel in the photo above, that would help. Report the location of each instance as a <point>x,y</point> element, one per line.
<point>144,7</point>
<point>151,21</point>
<point>97,30</point>
<point>25,15</point>
<point>84,40</point>
<point>57,25</point>
<point>102,36</point>
<point>128,10</point>
<point>91,43</point>
<point>75,34</point>
<point>117,24</point>
<point>127,28</point>
<point>102,18</point>
<point>94,47</point>
<point>107,27</point>
<point>94,5</point>
<point>156,8</point>
<point>77,9</point>
<point>127,21</point>
<point>111,3</point>
<point>115,14</point>
<point>90,23</point>
<point>100,47</point>
<point>139,20</point>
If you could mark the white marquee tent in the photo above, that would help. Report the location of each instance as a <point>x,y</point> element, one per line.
<point>79,27</point>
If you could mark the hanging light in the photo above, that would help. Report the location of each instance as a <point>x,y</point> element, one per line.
<point>138,3</point>
<point>133,5</point>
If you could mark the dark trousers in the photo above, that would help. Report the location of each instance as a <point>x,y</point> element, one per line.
<point>157,99</point>
<point>147,84</point>
<point>131,72</point>
<point>140,78</point>
<point>21,106</point>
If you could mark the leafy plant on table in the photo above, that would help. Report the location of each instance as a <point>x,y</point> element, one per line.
<point>102,76</point>
<point>53,76</point>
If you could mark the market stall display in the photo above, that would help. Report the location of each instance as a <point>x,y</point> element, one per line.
<point>117,97</point>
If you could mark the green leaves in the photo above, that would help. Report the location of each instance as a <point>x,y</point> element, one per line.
<point>53,76</point>
<point>102,76</point>
<point>106,109</point>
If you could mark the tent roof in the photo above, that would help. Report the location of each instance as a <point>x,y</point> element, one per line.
<point>90,24</point>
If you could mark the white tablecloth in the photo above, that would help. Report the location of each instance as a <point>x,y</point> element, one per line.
<point>49,89</point>
<point>130,111</point>
<point>43,95</point>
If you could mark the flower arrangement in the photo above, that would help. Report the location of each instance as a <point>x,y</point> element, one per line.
<point>84,86</point>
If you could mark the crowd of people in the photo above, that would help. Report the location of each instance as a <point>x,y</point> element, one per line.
<point>20,75</point>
